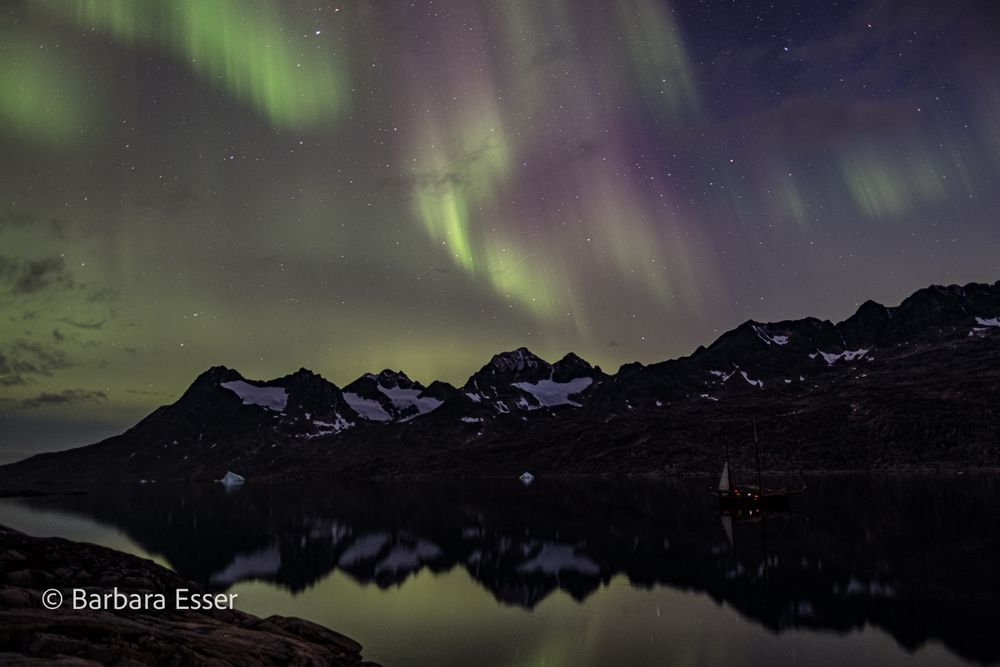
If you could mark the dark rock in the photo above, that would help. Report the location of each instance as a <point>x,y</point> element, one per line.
<point>29,632</point>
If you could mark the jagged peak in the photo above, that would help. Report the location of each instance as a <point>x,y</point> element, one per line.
<point>573,358</point>
<point>299,376</point>
<point>630,366</point>
<point>217,374</point>
<point>390,378</point>
<point>210,380</point>
<point>517,359</point>
<point>441,384</point>
<point>871,304</point>
<point>572,366</point>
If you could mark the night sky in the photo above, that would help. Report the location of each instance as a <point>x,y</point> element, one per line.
<point>418,185</point>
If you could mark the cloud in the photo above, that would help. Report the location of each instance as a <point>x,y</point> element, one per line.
<point>25,277</point>
<point>143,392</point>
<point>93,325</point>
<point>104,295</point>
<point>12,219</point>
<point>37,275</point>
<point>23,360</point>
<point>64,397</point>
<point>452,175</point>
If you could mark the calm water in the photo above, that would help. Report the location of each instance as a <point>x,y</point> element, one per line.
<point>867,570</point>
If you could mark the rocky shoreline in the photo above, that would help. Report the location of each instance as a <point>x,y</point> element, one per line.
<point>31,634</point>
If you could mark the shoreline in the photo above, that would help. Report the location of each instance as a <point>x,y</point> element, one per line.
<point>45,489</point>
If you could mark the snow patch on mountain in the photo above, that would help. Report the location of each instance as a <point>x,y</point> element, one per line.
<point>550,393</point>
<point>763,334</point>
<point>846,355</point>
<point>367,408</point>
<point>272,398</point>
<point>329,428</point>
<point>992,322</point>
<point>404,398</point>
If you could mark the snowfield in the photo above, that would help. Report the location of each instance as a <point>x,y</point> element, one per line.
<point>272,398</point>
<point>550,393</point>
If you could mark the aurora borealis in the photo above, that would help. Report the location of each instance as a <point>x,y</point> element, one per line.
<point>358,185</point>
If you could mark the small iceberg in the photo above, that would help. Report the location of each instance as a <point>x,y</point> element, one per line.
<point>232,479</point>
<point>527,477</point>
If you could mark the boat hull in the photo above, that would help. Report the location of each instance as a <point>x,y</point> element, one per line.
<point>769,500</point>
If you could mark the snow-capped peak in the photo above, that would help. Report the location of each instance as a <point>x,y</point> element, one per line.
<point>272,398</point>
<point>764,335</point>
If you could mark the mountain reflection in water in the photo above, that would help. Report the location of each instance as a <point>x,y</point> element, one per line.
<point>912,555</point>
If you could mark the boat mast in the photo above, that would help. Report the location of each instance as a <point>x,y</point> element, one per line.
<point>756,447</point>
<point>729,468</point>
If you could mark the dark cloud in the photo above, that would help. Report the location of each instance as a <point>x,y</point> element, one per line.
<point>104,295</point>
<point>440,181</point>
<point>21,361</point>
<point>22,277</point>
<point>11,218</point>
<point>92,325</point>
<point>433,180</point>
<point>64,397</point>
<point>143,392</point>
<point>37,275</point>
<point>15,219</point>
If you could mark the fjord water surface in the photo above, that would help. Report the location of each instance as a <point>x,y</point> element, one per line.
<point>884,569</point>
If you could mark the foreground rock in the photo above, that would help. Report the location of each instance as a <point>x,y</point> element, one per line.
<point>31,634</point>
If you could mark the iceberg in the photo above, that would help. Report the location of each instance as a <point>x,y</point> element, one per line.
<point>232,479</point>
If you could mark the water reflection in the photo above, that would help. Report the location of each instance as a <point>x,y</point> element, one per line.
<point>914,556</point>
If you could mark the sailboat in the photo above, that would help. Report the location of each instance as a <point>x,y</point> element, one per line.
<point>751,497</point>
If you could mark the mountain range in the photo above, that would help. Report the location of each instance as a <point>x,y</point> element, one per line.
<point>908,386</point>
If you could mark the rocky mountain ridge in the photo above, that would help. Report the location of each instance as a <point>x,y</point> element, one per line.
<point>909,385</point>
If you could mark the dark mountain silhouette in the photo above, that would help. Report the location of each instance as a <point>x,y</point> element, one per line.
<point>914,385</point>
